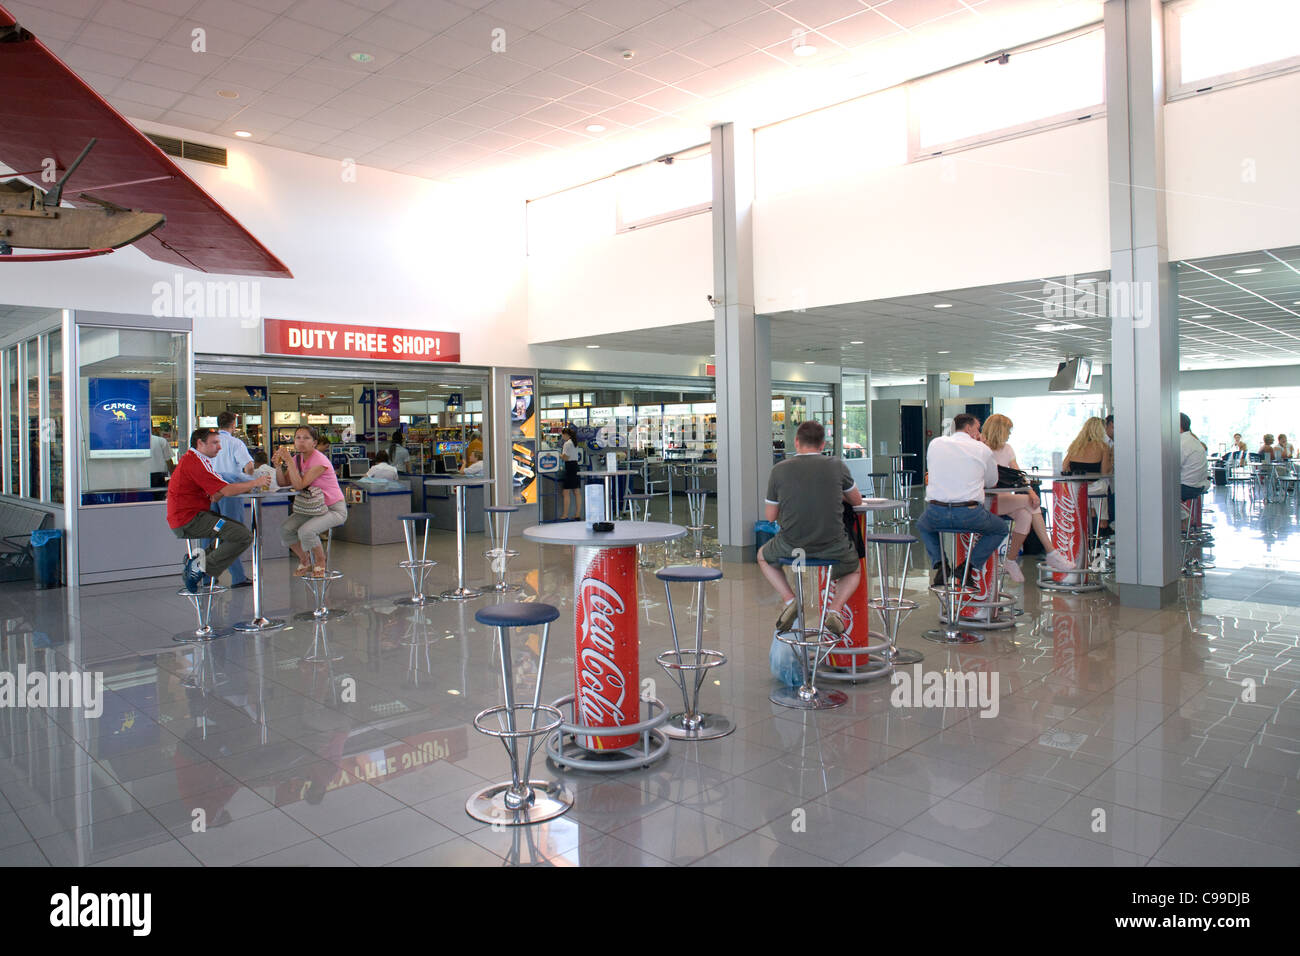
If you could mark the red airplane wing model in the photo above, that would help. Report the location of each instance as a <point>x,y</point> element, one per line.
<point>126,190</point>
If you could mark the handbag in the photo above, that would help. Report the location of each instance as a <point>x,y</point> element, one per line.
<point>1011,477</point>
<point>310,501</point>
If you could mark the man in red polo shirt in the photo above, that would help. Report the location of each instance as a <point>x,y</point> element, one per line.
<point>194,486</point>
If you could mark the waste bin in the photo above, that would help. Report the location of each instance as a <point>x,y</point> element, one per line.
<point>47,555</point>
<point>764,531</point>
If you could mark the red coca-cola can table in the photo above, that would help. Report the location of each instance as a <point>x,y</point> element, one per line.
<point>607,673</point>
<point>859,641</point>
<point>1070,535</point>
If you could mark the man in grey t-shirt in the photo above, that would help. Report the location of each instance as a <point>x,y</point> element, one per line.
<point>805,496</point>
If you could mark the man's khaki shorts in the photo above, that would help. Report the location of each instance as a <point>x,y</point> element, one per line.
<point>842,553</point>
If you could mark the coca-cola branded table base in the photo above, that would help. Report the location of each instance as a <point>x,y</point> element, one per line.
<point>988,609</point>
<point>863,654</point>
<point>604,729</point>
<point>1070,536</point>
<point>953,597</point>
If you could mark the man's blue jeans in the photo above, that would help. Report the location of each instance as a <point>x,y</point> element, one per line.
<point>990,528</point>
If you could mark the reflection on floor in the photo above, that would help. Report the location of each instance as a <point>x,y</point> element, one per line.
<point>1182,726</point>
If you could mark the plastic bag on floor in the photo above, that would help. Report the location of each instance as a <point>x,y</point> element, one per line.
<point>784,662</point>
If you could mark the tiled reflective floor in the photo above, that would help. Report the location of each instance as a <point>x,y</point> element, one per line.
<point>1123,737</point>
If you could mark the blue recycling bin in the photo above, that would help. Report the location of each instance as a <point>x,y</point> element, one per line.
<point>47,556</point>
<point>764,531</point>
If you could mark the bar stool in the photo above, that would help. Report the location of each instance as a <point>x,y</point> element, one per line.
<point>319,586</point>
<point>1195,539</point>
<point>690,724</point>
<point>498,521</point>
<point>802,639</point>
<point>879,658</point>
<point>637,507</point>
<point>954,598</point>
<point>201,601</point>
<point>416,569</point>
<point>695,499</point>
<point>519,801</point>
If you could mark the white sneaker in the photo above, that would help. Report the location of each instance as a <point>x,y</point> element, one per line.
<point>1012,568</point>
<point>1056,561</point>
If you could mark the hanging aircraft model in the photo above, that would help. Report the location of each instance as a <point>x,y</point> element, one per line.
<point>125,191</point>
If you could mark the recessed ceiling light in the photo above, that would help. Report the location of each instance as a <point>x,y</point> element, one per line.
<point>810,362</point>
<point>229,94</point>
<point>363,57</point>
<point>1246,272</point>
<point>804,49</point>
<point>1057,328</point>
<point>946,352</point>
<point>1086,281</point>
<point>243,133</point>
<point>943,305</point>
<point>593,346</point>
<point>595,128</point>
<point>856,342</point>
<point>1203,315</point>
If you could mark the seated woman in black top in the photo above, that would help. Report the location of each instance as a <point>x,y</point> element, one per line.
<point>1090,455</point>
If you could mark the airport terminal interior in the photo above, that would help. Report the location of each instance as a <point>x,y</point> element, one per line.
<point>554,286</point>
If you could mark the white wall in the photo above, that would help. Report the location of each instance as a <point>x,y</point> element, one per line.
<point>1026,207</point>
<point>1230,169</point>
<point>585,279</point>
<point>1272,376</point>
<point>387,249</point>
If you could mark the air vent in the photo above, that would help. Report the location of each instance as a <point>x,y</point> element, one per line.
<point>212,155</point>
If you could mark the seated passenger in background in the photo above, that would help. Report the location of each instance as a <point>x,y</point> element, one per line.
<point>1285,450</point>
<point>1089,454</point>
<point>381,469</point>
<point>1267,450</point>
<point>1194,467</point>
<point>473,463</point>
<point>1024,508</point>
<point>261,466</point>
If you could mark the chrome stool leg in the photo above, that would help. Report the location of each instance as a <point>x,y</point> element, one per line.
<point>689,723</point>
<point>201,601</point>
<point>319,586</point>
<point>499,527</point>
<point>953,599</point>
<point>807,696</point>
<point>521,800</point>
<point>417,569</point>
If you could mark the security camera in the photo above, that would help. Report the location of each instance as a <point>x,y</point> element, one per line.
<point>716,303</point>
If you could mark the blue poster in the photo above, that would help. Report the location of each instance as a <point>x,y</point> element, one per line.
<point>119,417</point>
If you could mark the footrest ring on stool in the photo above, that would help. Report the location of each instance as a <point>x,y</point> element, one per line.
<point>653,745</point>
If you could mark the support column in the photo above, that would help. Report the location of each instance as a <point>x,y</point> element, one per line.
<point>1143,309</point>
<point>742,342</point>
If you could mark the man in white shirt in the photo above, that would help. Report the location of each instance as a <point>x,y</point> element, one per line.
<point>160,460</point>
<point>381,469</point>
<point>232,464</point>
<point>1195,461</point>
<point>960,467</point>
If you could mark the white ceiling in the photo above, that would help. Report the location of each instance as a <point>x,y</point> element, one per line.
<point>438,102</point>
<point>1225,320</point>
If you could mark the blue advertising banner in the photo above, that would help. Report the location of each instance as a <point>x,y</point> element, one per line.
<point>119,417</point>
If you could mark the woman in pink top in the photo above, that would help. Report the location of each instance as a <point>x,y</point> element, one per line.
<point>1023,508</point>
<point>308,468</point>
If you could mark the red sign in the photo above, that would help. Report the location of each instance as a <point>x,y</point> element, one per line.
<point>710,370</point>
<point>328,340</point>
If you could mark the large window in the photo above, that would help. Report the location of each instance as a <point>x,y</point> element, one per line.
<point>130,381</point>
<point>1045,424</point>
<point>1037,87</point>
<point>1253,412</point>
<point>1220,42</point>
<point>32,377</point>
<point>14,432</point>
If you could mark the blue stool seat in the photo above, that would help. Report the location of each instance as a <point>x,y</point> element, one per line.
<point>688,572</point>
<point>891,538</point>
<point>638,497</point>
<point>809,562</point>
<point>501,509</point>
<point>417,516</point>
<point>526,614</point>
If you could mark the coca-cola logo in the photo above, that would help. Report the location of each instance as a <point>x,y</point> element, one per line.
<point>602,685</point>
<point>1065,525</point>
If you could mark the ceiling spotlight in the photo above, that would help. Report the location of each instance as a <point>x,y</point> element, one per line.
<point>363,57</point>
<point>229,94</point>
<point>593,346</point>
<point>628,54</point>
<point>1246,272</point>
<point>856,342</point>
<point>243,133</point>
<point>1203,315</point>
<point>802,47</point>
<point>943,305</point>
<point>946,352</point>
<point>1086,281</point>
<point>810,362</point>
<point>595,128</point>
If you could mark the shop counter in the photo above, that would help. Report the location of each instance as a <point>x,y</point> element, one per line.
<point>374,519</point>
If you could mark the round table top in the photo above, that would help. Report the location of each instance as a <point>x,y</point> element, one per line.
<point>687,463</point>
<point>625,533</point>
<point>1095,477</point>
<point>598,473</point>
<point>266,495</point>
<point>878,504</point>
<point>1020,490</point>
<point>458,480</point>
